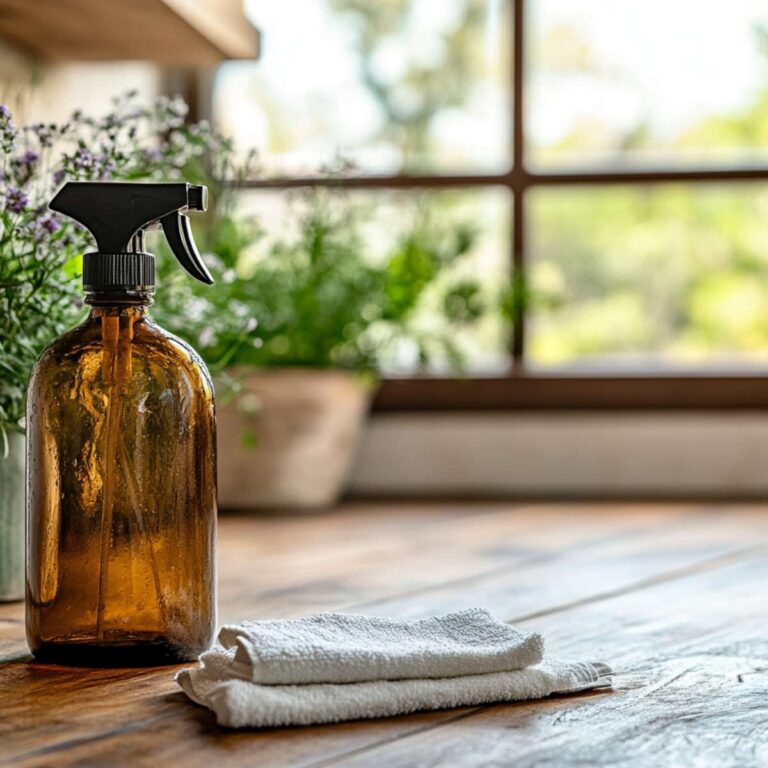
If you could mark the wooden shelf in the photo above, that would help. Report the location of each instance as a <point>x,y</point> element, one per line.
<point>172,33</point>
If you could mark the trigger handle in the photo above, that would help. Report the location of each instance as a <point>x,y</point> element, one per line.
<point>178,233</point>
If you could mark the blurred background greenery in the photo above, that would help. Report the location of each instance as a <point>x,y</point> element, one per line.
<point>623,276</point>
<point>626,277</point>
<point>416,259</point>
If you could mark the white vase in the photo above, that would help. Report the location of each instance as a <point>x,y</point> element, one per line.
<point>12,519</point>
<point>288,439</point>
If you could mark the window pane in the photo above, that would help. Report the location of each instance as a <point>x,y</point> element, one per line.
<point>667,276</point>
<point>411,85</point>
<point>648,82</point>
<point>436,218</point>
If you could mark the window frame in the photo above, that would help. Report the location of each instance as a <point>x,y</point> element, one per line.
<point>521,389</point>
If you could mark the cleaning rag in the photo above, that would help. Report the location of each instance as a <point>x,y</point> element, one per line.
<point>333,667</point>
<point>346,648</point>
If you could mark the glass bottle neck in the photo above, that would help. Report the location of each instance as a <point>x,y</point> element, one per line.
<point>132,313</point>
<point>123,303</point>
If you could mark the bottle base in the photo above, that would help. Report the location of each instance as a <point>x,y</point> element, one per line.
<point>135,651</point>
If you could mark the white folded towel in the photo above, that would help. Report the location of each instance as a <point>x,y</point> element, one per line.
<point>345,648</point>
<point>374,667</point>
<point>240,704</point>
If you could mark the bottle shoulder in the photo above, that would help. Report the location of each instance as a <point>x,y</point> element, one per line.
<point>176,347</point>
<point>65,347</point>
<point>154,353</point>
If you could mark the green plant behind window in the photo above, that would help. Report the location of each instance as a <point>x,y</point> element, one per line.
<point>314,297</point>
<point>309,299</point>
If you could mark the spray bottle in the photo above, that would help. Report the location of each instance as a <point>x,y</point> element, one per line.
<point>121,472</point>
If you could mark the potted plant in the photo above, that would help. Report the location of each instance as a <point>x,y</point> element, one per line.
<point>294,331</point>
<point>297,327</point>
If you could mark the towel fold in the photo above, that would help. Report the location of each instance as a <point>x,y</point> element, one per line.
<point>333,667</point>
<point>346,648</point>
<point>241,704</point>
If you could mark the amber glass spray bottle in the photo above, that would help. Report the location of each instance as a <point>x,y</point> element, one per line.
<point>121,471</point>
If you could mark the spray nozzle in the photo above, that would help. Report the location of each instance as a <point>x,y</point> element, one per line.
<point>117,214</point>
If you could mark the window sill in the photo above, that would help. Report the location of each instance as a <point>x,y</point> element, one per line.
<point>533,392</point>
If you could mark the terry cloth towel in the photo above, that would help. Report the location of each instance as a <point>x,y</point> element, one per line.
<point>225,684</point>
<point>345,648</point>
<point>240,704</point>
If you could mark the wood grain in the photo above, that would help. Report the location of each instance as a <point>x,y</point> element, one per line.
<point>691,656</point>
<point>673,595</point>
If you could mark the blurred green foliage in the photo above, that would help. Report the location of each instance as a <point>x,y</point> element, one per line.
<point>426,87</point>
<point>620,275</point>
<point>650,275</point>
<point>313,296</point>
<point>667,274</point>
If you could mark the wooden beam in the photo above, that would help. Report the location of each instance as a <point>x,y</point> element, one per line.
<point>172,33</point>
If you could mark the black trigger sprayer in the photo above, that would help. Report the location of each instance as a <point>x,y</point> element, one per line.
<point>118,214</point>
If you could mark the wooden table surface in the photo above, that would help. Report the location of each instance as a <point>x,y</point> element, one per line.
<point>674,596</point>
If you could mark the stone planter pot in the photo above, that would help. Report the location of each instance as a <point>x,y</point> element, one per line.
<point>288,439</point>
<point>12,519</point>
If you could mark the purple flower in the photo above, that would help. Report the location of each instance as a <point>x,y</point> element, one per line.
<point>45,133</point>
<point>59,176</point>
<point>50,225</point>
<point>81,163</point>
<point>16,201</point>
<point>24,166</point>
<point>108,166</point>
<point>84,158</point>
<point>152,155</point>
<point>7,130</point>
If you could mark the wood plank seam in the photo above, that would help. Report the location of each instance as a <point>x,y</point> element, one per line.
<point>63,746</point>
<point>538,557</point>
<point>740,555</point>
<point>713,563</point>
<point>580,549</point>
<point>463,715</point>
